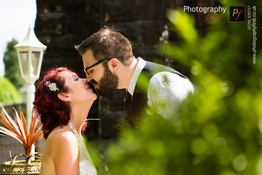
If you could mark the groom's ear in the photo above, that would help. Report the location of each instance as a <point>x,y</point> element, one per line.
<point>64,97</point>
<point>113,65</point>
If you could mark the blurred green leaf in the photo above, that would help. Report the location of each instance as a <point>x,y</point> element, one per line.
<point>8,92</point>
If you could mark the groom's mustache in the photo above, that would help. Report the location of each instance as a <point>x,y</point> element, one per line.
<point>90,84</point>
<point>93,82</point>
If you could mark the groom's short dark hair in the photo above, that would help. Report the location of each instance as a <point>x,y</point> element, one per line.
<point>107,43</point>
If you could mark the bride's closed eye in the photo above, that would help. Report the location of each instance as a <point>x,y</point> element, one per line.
<point>75,78</point>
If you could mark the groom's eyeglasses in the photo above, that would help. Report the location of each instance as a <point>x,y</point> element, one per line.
<point>86,69</point>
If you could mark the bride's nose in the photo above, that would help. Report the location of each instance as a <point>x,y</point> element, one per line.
<point>84,80</point>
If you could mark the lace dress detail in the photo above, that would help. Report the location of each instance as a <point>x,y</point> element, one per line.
<point>86,166</point>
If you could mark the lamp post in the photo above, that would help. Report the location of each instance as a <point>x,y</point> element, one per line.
<point>30,56</point>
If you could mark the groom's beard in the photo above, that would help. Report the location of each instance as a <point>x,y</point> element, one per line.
<point>107,83</point>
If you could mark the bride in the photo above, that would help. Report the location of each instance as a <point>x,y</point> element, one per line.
<point>63,101</point>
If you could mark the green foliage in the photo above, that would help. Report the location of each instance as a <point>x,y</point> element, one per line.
<point>219,132</point>
<point>8,92</point>
<point>12,69</point>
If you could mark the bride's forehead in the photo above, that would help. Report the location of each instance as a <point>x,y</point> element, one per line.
<point>67,74</point>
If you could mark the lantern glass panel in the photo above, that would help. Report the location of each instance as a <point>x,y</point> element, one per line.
<point>24,62</point>
<point>35,62</point>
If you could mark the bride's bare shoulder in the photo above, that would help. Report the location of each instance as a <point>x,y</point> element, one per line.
<point>61,136</point>
<point>61,145</point>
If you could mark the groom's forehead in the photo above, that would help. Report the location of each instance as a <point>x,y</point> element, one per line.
<point>88,58</point>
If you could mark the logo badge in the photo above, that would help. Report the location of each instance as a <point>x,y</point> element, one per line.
<point>237,13</point>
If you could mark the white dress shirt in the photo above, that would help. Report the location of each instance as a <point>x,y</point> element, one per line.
<point>166,91</point>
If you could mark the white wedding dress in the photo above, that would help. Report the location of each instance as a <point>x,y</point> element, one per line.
<point>86,166</point>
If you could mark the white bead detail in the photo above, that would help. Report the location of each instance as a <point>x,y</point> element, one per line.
<point>51,86</point>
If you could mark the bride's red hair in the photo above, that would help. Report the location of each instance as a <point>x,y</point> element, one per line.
<point>52,110</point>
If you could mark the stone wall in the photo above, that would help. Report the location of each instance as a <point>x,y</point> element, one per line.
<point>61,24</point>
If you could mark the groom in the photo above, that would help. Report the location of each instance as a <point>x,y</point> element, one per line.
<point>151,88</point>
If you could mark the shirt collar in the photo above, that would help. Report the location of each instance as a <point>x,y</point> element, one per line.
<point>140,65</point>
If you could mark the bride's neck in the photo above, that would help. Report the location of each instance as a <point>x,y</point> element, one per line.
<point>78,116</point>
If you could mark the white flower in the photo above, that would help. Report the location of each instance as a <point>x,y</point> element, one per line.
<point>51,86</point>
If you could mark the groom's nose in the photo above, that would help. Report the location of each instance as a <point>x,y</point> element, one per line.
<point>88,78</point>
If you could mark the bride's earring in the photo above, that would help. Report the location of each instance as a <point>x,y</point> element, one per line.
<point>71,105</point>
